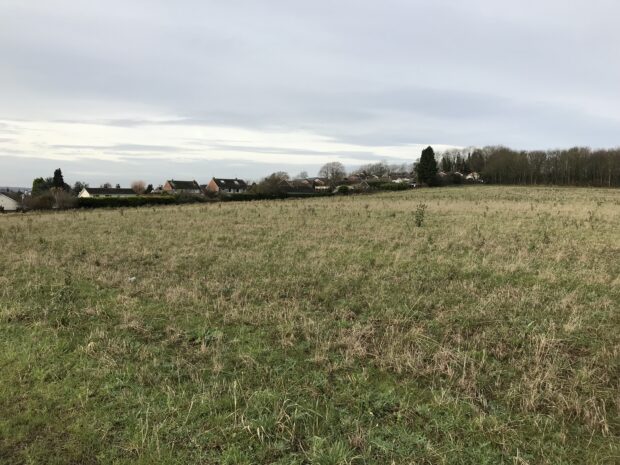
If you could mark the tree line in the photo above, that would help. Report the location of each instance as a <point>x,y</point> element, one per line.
<point>54,192</point>
<point>578,166</point>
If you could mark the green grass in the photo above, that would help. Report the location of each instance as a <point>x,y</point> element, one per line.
<point>325,331</point>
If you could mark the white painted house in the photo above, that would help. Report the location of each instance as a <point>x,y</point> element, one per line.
<point>10,201</point>
<point>105,192</point>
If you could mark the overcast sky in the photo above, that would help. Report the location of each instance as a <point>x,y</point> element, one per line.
<point>119,90</point>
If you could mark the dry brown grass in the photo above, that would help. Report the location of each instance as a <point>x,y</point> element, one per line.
<point>330,330</point>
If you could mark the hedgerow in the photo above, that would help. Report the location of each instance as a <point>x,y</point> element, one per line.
<point>134,201</point>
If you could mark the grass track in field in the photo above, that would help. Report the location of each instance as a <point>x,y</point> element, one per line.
<point>327,331</point>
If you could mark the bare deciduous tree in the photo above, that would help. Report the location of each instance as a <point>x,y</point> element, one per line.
<point>333,171</point>
<point>138,187</point>
<point>578,166</point>
<point>272,184</point>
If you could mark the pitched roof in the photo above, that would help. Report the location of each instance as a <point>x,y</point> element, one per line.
<point>184,185</point>
<point>17,196</point>
<point>310,181</point>
<point>296,185</point>
<point>109,191</point>
<point>399,176</point>
<point>230,183</point>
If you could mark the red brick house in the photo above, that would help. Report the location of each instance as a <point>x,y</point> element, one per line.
<point>228,186</point>
<point>182,187</point>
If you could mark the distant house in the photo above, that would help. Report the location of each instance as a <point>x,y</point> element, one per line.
<point>297,186</point>
<point>400,177</point>
<point>307,185</point>
<point>181,187</point>
<point>319,184</point>
<point>229,186</point>
<point>10,201</point>
<point>360,186</point>
<point>105,192</point>
<point>473,176</point>
<point>284,185</point>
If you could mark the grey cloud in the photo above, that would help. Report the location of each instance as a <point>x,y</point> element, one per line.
<point>6,129</point>
<point>209,148</point>
<point>397,72</point>
<point>151,170</point>
<point>290,151</point>
<point>117,148</point>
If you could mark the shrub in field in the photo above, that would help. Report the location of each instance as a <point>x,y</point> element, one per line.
<point>324,453</point>
<point>420,213</point>
<point>343,190</point>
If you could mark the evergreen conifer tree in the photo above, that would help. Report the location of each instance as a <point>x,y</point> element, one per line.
<point>426,168</point>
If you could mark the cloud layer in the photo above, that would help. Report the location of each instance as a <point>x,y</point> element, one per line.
<point>238,87</point>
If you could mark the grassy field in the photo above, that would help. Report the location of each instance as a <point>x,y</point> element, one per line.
<point>327,331</point>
